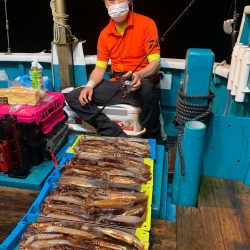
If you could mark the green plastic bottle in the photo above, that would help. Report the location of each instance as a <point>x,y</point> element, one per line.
<point>36,75</point>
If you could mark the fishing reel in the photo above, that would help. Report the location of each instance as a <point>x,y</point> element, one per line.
<point>125,86</point>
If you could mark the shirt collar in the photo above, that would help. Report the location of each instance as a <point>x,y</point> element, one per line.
<point>130,22</point>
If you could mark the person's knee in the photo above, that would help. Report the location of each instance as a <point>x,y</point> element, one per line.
<point>67,97</point>
<point>71,96</point>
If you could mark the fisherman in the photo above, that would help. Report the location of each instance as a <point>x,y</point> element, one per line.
<point>129,41</point>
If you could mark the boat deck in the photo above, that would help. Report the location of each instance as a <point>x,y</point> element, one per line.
<point>221,220</point>
<point>14,204</point>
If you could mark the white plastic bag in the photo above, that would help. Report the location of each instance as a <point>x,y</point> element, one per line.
<point>3,75</point>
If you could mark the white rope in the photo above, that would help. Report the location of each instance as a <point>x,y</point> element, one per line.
<point>57,23</point>
<point>223,63</point>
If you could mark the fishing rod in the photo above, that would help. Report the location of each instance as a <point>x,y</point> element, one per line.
<point>125,84</point>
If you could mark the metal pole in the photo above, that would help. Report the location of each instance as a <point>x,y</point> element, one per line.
<point>7,27</point>
<point>63,42</point>
<point>65,36</point>
<point>61,10</point>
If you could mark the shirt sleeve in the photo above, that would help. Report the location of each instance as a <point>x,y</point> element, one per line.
<point>154,57</point>
<point>101,64</point>
<point>102,52</point>
<point>151,39</point>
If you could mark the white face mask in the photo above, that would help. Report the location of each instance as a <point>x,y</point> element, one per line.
<point>118,12</point>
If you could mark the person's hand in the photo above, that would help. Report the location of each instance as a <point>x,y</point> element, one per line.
<point>136,80</point>
<point>86,95</point>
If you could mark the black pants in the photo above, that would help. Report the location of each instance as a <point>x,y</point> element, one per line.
<point>147,98</point>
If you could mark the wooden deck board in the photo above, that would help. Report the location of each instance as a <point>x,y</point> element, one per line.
<point>190,234</point>
<point>221,220</point>
<point>209,216</point>
<point>14,204</point>
<point>232,217</point>
<point>163,235</point>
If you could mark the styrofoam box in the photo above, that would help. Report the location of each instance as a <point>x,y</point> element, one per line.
<point>123,114</point>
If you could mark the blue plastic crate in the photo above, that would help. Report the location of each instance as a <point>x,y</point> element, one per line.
<point>12,241</point>
<point>164,189</point>
<point>152,143</point>
<point>171,208</point>
<point>158,169</point>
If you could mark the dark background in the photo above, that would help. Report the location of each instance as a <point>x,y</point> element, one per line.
<point>31,24</point>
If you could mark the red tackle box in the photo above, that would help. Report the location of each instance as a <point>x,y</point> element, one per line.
<point>5,159</point>
<point>46,115</point>
<point>11,150</point>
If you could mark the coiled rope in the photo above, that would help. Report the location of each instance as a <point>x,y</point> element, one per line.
<point>186,111</point>
<point>57,23</point>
